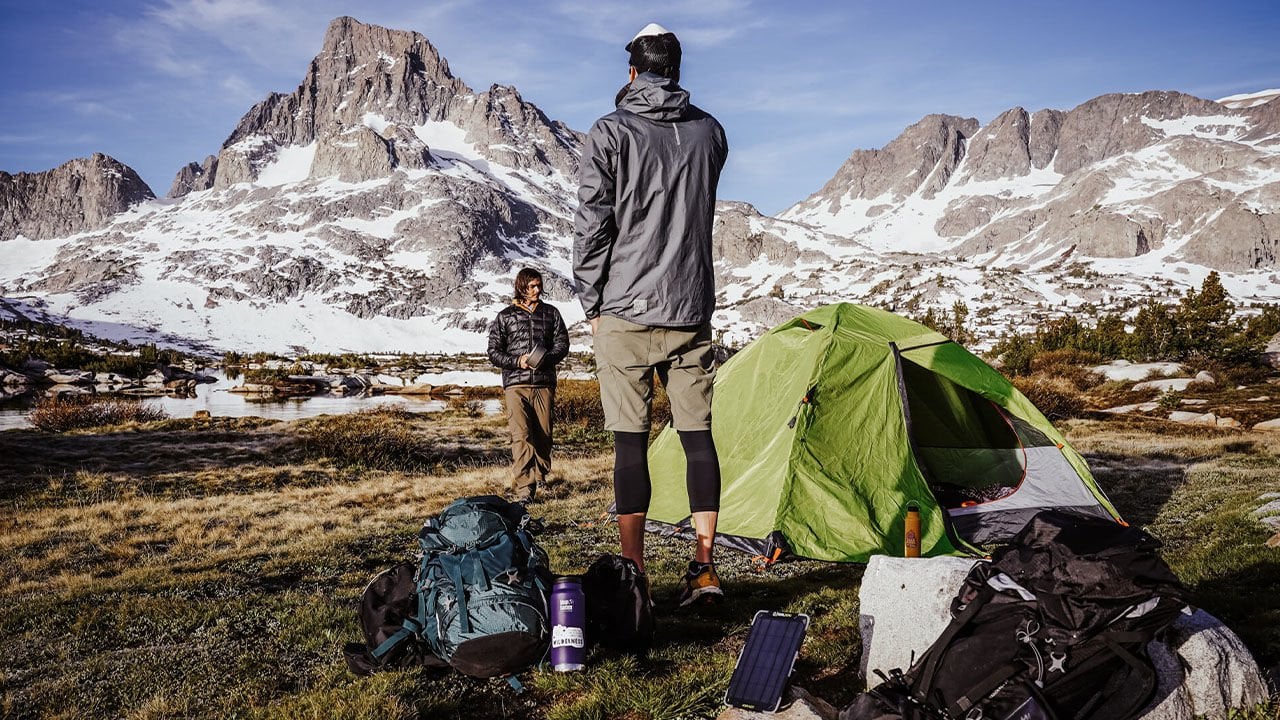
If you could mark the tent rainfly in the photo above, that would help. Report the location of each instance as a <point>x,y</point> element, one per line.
<point>831,423</point>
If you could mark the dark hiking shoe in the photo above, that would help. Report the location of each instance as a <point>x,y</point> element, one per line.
<point>701,585</point>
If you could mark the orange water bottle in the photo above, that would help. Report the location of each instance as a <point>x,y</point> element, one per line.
<point>912,535</point>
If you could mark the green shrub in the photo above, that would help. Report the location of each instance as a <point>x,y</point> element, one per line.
<point>381,438</point>
<point>1056,397</point>
<point>578,403</point>
<point>469,406</point>
<point>57,415</point>
<point>1169,400</point>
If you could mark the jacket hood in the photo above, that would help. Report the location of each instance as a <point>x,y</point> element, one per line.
<point>655,97</point>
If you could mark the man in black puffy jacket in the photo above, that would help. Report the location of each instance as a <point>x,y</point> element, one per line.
<point>527,340</point>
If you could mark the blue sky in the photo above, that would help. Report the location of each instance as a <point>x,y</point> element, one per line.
<point>798,85</point>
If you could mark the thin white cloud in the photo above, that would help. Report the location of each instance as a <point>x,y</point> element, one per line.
<point>82,105</point>
<point>213,13</point>
<point>706,23</point>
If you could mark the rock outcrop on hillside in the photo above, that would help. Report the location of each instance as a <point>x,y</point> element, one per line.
<point>921,158</point>
<point>194,177</point>
<point>78,195</point>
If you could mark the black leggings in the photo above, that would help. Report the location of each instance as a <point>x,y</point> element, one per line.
<point>632,489</point>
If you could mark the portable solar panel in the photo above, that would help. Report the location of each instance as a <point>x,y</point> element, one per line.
<point>760,678</point>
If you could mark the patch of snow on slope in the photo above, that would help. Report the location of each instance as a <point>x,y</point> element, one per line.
<point>1145,172</point>
<point>1215,127</point>
<point>292,164</point>
<point>1248,100</point>
<point>375,122</point>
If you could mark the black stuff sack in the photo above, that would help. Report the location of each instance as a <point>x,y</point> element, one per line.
<point>1055,626</point>
<point>619,609</point>
<point>387,602</point>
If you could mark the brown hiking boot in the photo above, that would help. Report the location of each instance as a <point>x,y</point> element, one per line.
<point>701,585</point>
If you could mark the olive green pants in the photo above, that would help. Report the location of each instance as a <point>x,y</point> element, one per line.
<point>529,413</point>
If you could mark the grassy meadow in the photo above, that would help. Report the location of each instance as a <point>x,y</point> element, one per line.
<point>188,568</point>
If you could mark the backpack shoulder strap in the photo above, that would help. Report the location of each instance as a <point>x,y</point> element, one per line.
<point>935,652</point>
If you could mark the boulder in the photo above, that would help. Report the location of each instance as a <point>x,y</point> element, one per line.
<point>1206,378</point>
<point>1203,667</point>
<point>1272,425</point>
<point>905,604</point>
<point>1125,370</point>
<point>1165,385</point>
<point>1226,422</point>
<point>1271,353</point>
<point>253,389</point>
<point>69,377</point>
<point>169,372</point>
<point>1204,670</point>
<point>1269,513</point>
<point>1139,407</point>
<point>798,705</point>
<point>1190,418</point>
<point>13,379</point>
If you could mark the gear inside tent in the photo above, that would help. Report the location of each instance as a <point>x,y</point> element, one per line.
<point>831,423</point>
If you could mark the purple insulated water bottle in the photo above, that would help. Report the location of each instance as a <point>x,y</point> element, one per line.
<point>568,624</point>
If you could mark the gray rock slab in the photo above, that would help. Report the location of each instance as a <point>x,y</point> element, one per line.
<point>1139,407</point>
<point>799,705</point>
<point>1191,418</point>
<point>1204,670</point>
<point>1272,425</point>
<point>905,604</point>
<point>1174,384</point>
<point>1125,370</point>
<point>1270,508</point>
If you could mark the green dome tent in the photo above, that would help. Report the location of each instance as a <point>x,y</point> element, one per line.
<point>832,422</point>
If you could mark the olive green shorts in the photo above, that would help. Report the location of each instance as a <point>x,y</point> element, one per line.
<point>628,355</point>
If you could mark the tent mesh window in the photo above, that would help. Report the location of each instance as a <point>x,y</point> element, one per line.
<point>970,449</point>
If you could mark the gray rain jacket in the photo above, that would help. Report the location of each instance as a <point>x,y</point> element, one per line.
<point>646,198</point>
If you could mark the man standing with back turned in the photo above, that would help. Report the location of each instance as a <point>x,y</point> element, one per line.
<point>642,264</point>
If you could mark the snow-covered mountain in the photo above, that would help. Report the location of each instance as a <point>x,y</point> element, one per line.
<point>384,206</point>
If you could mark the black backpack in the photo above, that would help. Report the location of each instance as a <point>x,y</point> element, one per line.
<point>1054,627</point>
<point>478,600</point>
<point>619,610</point>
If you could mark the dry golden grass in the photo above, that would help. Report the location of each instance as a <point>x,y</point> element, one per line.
<point>124,540</point>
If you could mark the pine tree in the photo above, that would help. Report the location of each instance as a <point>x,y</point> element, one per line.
<point>1154,331</point>
<point>1204,321</point>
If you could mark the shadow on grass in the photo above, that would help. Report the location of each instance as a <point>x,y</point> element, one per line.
<point>1246,601</point>
<point>185,458</point>
<point>1138,485</point>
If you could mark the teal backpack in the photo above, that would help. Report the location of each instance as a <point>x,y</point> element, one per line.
<point>481,590</point>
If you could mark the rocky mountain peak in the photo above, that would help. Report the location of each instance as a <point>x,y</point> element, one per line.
<point>921,159</point>
<point>1113,124</point>
<point>78,195</point>
<point>371,103</point>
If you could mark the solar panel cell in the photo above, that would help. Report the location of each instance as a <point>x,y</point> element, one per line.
<point>760,677</point>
